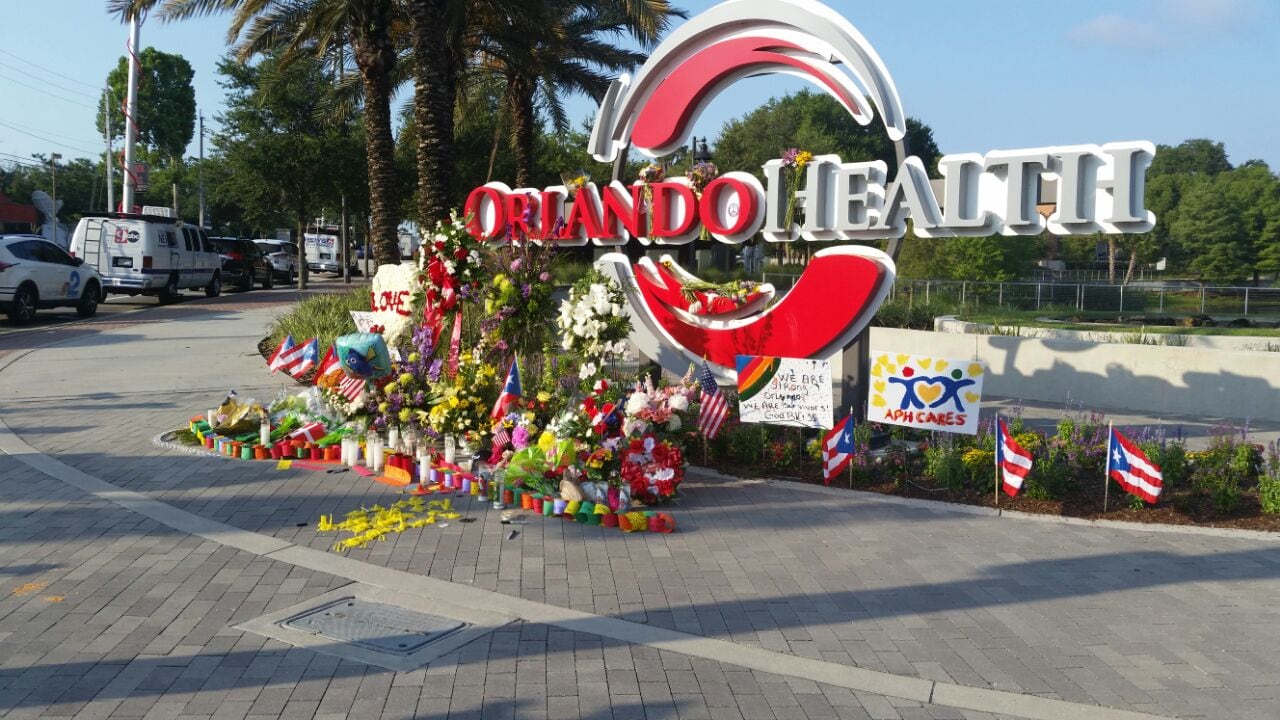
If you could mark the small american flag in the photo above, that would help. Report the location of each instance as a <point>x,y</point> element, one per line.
<point>715,408</point>
<point>501,436</point>
<point>351,387</point>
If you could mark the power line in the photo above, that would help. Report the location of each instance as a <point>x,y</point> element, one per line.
<point>63,88</point>
<point>51,142</point>
<point>46,92</point>
<point>50,132</point>
<point>16,160</point>
<point>51,72</point>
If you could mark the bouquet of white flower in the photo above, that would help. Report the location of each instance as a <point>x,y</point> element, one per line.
<point>594,325</point>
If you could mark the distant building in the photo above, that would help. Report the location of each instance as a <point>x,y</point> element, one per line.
<point>16,217</point>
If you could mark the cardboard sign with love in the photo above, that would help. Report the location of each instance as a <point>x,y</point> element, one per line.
<point>924,392</point>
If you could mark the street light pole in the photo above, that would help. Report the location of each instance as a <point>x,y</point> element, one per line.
<point>53,197</point>
<point>200,169</point>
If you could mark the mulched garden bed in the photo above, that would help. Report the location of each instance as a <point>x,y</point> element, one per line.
<point>1180,507</point>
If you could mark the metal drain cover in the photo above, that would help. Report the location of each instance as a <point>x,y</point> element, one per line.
<point>374,626</point>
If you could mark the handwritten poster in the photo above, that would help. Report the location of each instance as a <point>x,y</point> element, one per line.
<point>925,392</point>
<point>784,391</point>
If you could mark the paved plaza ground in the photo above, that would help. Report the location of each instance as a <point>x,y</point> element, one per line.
<point>125,569</point>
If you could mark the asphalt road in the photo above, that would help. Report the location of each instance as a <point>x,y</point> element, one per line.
<point>117,307</point>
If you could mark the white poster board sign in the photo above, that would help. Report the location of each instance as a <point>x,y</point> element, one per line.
<point>365,321</point>
<point>784,391</point>
<point>926,393</point>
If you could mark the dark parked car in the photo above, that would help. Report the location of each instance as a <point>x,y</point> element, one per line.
<point>243,263</point>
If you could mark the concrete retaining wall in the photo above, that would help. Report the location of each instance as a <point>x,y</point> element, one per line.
<point>1141,378</point>
<point>951,324</point>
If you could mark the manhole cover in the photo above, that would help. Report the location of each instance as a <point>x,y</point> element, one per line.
<point>374,626</point>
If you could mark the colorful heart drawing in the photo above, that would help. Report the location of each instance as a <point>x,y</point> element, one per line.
<point>942,365</point>
<point>928,392</point>
<point>975,369</point>
<point>972,397</point>
<point>902,359</point>
<point>925,363</point>
<point>879,385</point>
<point>892,369</point>
<point>878,401</point>
<point>882,360</point>
<point>877,371</point>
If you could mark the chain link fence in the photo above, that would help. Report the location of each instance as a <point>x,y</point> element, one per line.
<point>1081,297</point>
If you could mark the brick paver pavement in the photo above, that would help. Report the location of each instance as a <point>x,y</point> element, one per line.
<point>1181,625</point>
<point>104,613</point>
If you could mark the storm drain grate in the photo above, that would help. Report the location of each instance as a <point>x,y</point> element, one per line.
<point>374,626</point>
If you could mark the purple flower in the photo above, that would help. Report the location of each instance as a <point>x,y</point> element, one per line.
<point>419,398</point>
<point>789,157</point>
<point>520,438</point>
<point>515,265</point>
<point>433,373</point>
<point>544,276</point>
<point>524,291</point>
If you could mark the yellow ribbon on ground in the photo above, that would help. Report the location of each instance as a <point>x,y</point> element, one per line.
<point>375,523</point>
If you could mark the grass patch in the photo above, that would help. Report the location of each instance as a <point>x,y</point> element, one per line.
<point>323,316</point>
<point>186,437</point>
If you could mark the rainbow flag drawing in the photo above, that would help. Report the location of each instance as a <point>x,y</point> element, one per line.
<point>754,374</point>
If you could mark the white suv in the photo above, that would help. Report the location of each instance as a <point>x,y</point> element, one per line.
<point>282,255</point>
<point>35,273</point>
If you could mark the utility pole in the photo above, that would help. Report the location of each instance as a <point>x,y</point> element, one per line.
<point>130,116</point>
<point>200,169</point>
<point>106,120</point>
<point>53,197</point>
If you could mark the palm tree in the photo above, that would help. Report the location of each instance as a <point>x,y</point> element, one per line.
<point>555,47</point>
<point>312,27</point>
<point>437,31</point>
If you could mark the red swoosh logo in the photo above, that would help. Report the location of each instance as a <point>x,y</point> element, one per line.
<point>668,112</point>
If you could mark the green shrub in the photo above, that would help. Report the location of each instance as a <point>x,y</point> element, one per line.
<point>945,467</point>
<point>1229,463</point>
<point>1269,481</point>
<point>323,316</point>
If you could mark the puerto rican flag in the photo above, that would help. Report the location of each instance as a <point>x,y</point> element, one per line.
<point>510,391</point>
<point>1130,467</point>
<point>284,356</point>
<point>1013,462</point>
<point>329,362</point>
<point>307,356</point>
<point>837,449</point>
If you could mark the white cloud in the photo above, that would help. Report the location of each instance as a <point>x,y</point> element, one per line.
<point>1212,13</point>
<point>1112,30</point>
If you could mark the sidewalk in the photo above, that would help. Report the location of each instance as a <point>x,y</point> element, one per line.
<point>821,586</point>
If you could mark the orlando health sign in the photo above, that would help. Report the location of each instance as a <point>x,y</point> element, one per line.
<point>1100,188</point>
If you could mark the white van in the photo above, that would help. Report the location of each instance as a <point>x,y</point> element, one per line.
<point>322,252</point>
<point>147,255</point>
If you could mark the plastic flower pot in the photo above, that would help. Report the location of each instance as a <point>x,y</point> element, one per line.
<point>277,451</point>
<point>560,506</point>
<point>537,503</point>
<point>261,452</point>
<point>548,507</point>
<point>508,497</point>
<point>246,452</point>
<point>526,501</point>
<point>585,512</point>
<point>610,520</point>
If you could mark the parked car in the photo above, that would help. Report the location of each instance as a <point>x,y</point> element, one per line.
<point>243,263</point>
<point>147,254</point>
<point>35,273</point>
<point>282,255</point>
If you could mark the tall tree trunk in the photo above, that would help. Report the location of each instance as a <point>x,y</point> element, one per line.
<point>1133,265</point>
<point>1111,259</point>
<point>497,140</point>
<point>435,87</point>
<point>375,57</point>
<point>520,94</point>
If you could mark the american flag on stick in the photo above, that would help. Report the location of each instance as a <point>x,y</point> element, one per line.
<point>715,407</point>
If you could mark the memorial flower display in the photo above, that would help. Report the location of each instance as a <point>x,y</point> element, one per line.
<point>593,325</point>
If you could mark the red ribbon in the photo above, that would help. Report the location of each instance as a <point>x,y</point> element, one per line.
<point>455,343</point>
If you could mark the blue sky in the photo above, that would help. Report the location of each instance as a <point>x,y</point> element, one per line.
<point>983,75</point>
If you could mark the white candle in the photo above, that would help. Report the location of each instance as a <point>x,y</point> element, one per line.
<point>375,453</point>
<point>213,418</point>
<point>264,432</point>
<point>393,439</point>
<point>449,449</point>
